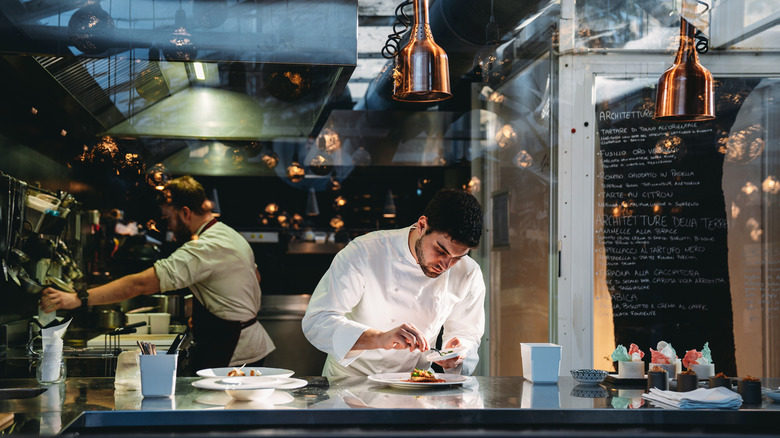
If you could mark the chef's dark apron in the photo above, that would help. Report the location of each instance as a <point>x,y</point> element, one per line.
<point>215,338</point>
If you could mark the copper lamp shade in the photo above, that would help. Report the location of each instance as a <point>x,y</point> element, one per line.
<point>685,90</point>
<point>422,72</point>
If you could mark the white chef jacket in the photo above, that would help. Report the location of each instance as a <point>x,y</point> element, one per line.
<point>219,268</point>
<point>375,282</point>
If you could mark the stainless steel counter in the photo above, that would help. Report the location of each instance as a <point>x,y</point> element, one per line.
<point>491,404</point>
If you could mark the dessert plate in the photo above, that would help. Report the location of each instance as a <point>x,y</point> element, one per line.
<point>401,380</point>
<point>264,371</point>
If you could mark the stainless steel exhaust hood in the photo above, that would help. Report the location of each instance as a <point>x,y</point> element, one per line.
<point>256,70</point>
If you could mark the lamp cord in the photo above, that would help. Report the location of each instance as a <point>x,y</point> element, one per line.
<point>702,43</point>
<point>394,39</point>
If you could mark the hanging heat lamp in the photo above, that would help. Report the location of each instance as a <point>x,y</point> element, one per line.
<point>685,90</point>
<point>421,72</point>
<point>91,29</point>
<point>179,45</point>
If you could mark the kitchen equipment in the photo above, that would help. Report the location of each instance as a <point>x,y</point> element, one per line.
<point>109,319</point>
<point>177,342</point>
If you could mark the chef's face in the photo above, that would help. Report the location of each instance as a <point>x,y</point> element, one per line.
<point>436,252</point>
<point>174,216</point>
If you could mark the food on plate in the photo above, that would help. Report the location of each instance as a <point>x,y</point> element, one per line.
<point>423,376</point>
<point>237,372</point>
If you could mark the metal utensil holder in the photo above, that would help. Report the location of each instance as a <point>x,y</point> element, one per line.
<point>111,349</point>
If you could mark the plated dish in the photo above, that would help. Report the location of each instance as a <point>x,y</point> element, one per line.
<point>220,384</point>
<point>401,380</point>
<point>264,371</point>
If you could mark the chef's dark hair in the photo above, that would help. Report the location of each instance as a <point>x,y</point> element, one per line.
<point>184,191</point>
<point>457,213</point>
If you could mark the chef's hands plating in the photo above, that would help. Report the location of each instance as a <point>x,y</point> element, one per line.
<point>400,338</point>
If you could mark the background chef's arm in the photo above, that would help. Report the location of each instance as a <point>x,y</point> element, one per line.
<point>129,286</point>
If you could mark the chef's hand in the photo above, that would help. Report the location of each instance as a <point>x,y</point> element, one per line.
<point>402,337</point>
<point>452,362</point>
<point>54,299</point>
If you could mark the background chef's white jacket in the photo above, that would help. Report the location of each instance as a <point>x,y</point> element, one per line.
<point>375,282</point>
<point>219,269</point>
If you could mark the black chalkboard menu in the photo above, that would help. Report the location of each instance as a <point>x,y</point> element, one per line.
<point>661,222</point>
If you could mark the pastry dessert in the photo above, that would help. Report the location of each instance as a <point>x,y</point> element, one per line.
<point>630,364</point>
<point>665,357</point>
<point>700,362</point>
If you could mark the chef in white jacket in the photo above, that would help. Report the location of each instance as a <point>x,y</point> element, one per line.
<point>387,294</point>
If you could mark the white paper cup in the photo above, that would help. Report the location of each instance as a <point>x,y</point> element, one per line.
<point>541,361</point>
<point>158,374</point>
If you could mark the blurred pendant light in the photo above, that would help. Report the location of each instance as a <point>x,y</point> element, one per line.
<point>295,171</point>
<point>422,72</point>
<point>179,45</point>
<point>389,209</point>
<point>150,82</point>
<point>312,209</point>
<point>685,90</point>
<point>287,82</point>
<point>91,29</point>
<point>486,55</point>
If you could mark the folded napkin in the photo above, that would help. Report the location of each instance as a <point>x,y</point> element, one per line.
<point>701,398</point>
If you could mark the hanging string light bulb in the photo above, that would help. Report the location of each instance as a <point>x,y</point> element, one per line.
<point>486,55</point>
<point>150,82</point>
<point>91,29</point>
<point>179,45</point>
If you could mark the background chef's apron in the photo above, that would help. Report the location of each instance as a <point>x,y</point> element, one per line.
<point>215,338</point>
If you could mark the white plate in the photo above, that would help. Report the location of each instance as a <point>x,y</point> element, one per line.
<point>264,372</point>
<point>435,356</point>
<point>401,380</point>
<point>218,384</point>
<point>774,395</point>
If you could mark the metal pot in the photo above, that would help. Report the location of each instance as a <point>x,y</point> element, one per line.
<point>178,306</point>
<point>110,319</point>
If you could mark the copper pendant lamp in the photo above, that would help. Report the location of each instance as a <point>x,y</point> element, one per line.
<point>422,72</point>
<point>685,90</point>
